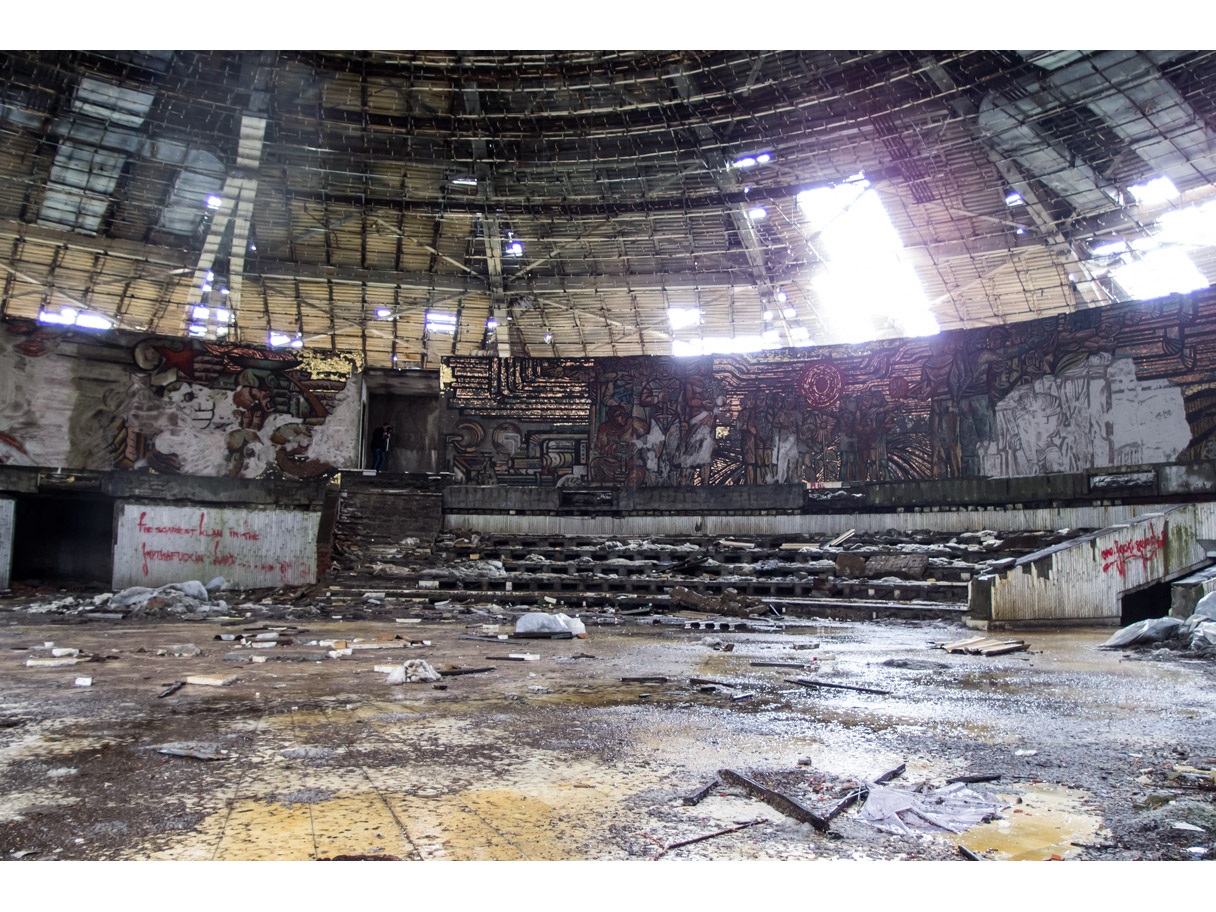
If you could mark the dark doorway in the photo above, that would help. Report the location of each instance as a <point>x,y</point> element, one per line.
<point>60,539</point>
<point>408,400</point>
<point>1150,602</point>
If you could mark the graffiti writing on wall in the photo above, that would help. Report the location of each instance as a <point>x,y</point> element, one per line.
<point>1119,385</point>
<point>159,544</point>
<point>1140,550</point>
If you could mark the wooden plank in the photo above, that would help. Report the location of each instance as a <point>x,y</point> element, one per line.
<point>775,800</point>
<point>807,682</point>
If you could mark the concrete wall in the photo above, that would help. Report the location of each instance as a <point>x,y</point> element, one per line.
<point>103,401</point>
<point>1115,386</point>
<point>157,544</point>
<point>811,527</point>
<point>1083,582</point>
<point>6,540</point>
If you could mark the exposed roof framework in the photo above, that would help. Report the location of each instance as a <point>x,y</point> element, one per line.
<point>560,203</point>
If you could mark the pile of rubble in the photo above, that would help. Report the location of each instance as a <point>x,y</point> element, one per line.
<point>1195,635</point>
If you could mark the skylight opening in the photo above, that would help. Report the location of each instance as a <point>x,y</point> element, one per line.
<point>222,315</point>
<point>1155,192</point>
<point>277,339</point>
<point>746,161</point>
<point>1114,248</point>
<point>1014,199</point>
<point>1194,226</point>
<point>515,249</point>
<point>800,337</point>
<point>757,213</point>
<point>213,201</point>
<point>465,181</point>
<point>383,313</point>
<point>438,322</point>
<point>767,316</point>
<point>198,312</point>
<point>682,317</point>
<point>725,345</point>
<point>1158,273</point>
<point>70,316</point>
<point>867,286</point>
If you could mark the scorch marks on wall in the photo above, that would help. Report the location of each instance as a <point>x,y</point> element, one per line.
<point>172,405</point>
<point>1117,385</point>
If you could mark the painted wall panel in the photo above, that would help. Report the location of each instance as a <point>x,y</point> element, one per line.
<point>83,400</point>
<point>159,544</point>
<point>1125,384</point>
<point>7,512</point>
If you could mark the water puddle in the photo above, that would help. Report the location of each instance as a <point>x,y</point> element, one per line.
<point>1051,818</point>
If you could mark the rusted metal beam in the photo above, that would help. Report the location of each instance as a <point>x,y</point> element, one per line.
<point>775,800</point>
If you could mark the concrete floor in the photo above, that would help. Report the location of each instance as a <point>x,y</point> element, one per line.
<point>558,758</point>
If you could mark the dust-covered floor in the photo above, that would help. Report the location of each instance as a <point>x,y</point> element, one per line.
<point>558,758</point>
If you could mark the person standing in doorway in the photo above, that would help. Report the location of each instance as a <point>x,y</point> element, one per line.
<point>381,438</point>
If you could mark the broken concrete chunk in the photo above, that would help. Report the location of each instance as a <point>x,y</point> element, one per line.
<point>52,662</point>
<point>850,565</point>
<point>196,750</point>
<point>84,682</point>
<point>186,649</point>
<point>903,566</point>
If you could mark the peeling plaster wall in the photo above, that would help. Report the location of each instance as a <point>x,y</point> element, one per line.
<point>1125,384</point>
<point>105,401</point>
<point>1096,414</point>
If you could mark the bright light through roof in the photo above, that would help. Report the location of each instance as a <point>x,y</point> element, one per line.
<point>1159,273</point>
<point>1194,226</point>
<point>725,345</point>
<point>867,284</point>
<point>438,322</point>
<point>681,317</point>
<point>1158,190</point>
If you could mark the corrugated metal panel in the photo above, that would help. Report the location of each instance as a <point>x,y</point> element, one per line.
<point>6,540</point>
<point>1085,582</point>
<point>158,544</point>
<point>808,525</point>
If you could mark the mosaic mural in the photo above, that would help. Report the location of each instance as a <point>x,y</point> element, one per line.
<point>1120,385</point>
<point>110,401</point>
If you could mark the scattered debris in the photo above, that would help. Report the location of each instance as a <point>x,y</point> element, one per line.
<point>776,800</point>
<point>914,664</point>
<point>841,538</point>
<point>968,854</point>
<point>644,679</point>
<point>173,688</point>
<point>186,649</point>
<point>84,682</point>
<point>361,858</point>
<point>799,665</point>
<point>450,671</point>
<point>982,777</point>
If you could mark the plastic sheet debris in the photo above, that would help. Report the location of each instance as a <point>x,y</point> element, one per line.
<point>413,671</point>
<point>539,622</point>
<point>1152,630</point>
<point>951,808</point>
